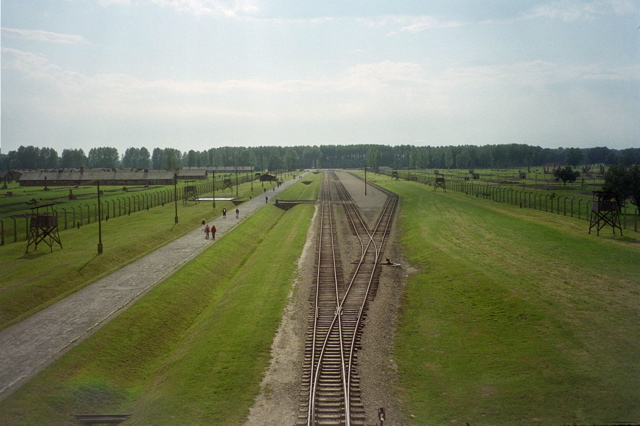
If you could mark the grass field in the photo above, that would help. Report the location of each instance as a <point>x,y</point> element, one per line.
<point>31,281</point>
<point>510,316</point>
<point>514,316</point>
<point>190,352</point>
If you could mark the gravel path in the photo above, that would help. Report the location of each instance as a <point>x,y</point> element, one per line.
<point>31,345</point>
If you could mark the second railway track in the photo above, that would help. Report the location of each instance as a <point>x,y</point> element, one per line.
<point>331,393</point>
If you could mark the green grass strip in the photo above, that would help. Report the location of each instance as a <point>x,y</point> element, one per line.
<point>514,316</point>
<point>194,349</point>
<point>32,281</point>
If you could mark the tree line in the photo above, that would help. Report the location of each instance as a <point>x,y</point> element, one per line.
<point>324,156</point>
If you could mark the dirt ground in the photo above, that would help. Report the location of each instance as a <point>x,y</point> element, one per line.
<point>278,403</point>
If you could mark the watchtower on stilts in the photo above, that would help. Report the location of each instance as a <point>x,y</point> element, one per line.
<point>440,183</point>
<point>190,191</point>
<point>604,211</point>
<point>43,227</point>
<point>227,183</point>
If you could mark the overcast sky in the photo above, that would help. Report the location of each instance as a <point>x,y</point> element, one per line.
<point>196,74</point>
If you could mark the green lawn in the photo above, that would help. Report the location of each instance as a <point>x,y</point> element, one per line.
<point>514,315</point>
<point>510,316</point>
<point>193,350</point>
<point>32,281</point>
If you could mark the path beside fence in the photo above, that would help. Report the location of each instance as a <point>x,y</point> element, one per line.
<point>31,345</point>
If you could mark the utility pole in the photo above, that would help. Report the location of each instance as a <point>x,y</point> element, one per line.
<point>175,194</point>
<point>365,181</point>
<point>99,221</point>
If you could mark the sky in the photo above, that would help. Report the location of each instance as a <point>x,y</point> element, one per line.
<point>200,74</point>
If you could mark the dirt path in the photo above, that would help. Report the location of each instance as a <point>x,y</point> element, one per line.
<point>31,345</point>
<point>278,403</point>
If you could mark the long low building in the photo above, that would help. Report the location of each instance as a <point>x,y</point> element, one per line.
<point>73,177</point>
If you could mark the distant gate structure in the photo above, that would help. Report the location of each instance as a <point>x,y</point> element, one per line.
<point>190,191</point>
<point>604,211</point>
<point>440,183</point>
<point>43,227</point>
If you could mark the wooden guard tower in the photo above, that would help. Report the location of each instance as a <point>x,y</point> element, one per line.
<point>227,183</point>
<point>604,211</point>
<point>190,191</point>
<point>440,183</point>
<point>43,227</point>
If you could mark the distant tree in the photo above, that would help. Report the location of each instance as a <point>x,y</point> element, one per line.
<point>103,157</point>
<point>144,161</point>
<point>192,158</point>
<point>27,157</point>
<point>597,155</point>
<point>48,158</point>
<point>173,157</point>
<point>449,157</point>
<point>574,156</point>
<point>5,162</point>
<point>566,174</point>
<point>159,159</point>
<point>136,158</point>
<point>623,183</point>
<point>373,157</point>
<point>630,156</point>
<point>244,157</point>
<point>290,159</point>
<point>73,158</point>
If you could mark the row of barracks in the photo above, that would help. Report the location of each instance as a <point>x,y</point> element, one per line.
<point>81,176</point>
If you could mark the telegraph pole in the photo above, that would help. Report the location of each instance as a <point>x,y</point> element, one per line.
<point>99,222</point>
<point>175,194</point>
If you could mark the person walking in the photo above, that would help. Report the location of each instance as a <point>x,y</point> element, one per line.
<point>203,222</point>
<point>206,232</point>
<point>213,232</point>
<point>237,213</point>
<point>224,213</point>
<point>266,199</point>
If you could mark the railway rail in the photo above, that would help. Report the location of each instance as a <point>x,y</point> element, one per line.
<point>331,393</point>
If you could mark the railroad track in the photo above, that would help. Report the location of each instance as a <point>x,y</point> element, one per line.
<point>331,393</point>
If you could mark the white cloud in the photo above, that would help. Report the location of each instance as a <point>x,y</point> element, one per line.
<point>477,104</point>
<point>197,7</point>
<point>409,23</point>
<point>42,36</point>
<point>574,10</point>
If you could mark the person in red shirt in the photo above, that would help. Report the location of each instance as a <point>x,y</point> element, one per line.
<point>206,232</point>
<point>213,232</point>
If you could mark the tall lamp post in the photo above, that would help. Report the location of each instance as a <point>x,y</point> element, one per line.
<point>214,188</point>
<point>99,222</point>
<point>175,194</point>
<point>365,181</point>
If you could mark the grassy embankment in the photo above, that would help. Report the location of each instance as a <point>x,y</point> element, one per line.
<point>514,316</point>
<point>190,352</point>
<point>32,281</point>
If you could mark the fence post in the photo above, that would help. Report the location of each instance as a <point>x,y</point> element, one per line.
<point>579,207</point>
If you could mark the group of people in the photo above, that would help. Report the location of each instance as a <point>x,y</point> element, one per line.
<point>212,229</point>
<point>209,229</point>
